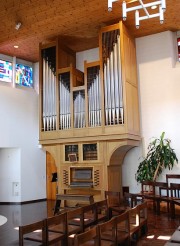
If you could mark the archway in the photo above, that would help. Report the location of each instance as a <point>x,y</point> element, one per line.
<point>115,167</point>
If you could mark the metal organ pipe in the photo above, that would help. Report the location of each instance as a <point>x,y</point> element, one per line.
<point>49,95</point>
<point>109,91</point>
<point>64,94</point>
<point>94,98</point>
<point>79,109</point>
<point>120,81</point>
<point>112,79</point>
<point>116,79</point>
<point>44,95</point>
<point>105,92</point>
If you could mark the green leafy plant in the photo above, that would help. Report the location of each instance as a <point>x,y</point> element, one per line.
<point>160,156</point>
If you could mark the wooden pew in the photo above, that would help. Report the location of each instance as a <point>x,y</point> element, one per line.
<point>123,228</point>
<point>29,232</point>
<point>143,226</point>
<point>107,232</point>
<point>88,238</point>
<point>102,211</point>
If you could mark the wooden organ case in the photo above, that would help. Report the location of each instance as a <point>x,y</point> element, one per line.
<point>89,120</point>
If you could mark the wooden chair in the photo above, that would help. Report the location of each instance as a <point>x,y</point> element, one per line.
<point>89,215</point>
<point>113,197</point>
<point>171,177</point>
<point>102,211</point>
<point>147,187</point>
<point>159,185</point>
<point>56,229</point>
<point>175,190</point>
<point>134,223</point>
<point>122,229</point>
<point>165,195</point>
<point>115,203</point>
<point>143,226</point>
<point>174,193</point>
<point>74,224</point>
<point>130,200</point>
<point>75,221</point>
<point>107,233</point>
<point>34,232</point>
<point>88,238</point>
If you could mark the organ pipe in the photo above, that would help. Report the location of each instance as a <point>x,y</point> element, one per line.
<point>94,96</point>
<point>49,90</point>
<point>79,109</point>
<point>113,97</point>
<point>65,98</point>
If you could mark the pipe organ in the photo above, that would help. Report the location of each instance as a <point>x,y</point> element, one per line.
<point>90,119</point>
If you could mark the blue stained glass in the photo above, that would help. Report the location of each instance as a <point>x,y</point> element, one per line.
<point>24,75</point>
<point>5,71</point>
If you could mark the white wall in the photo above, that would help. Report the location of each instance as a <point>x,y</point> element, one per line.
<point>159,87</point>
<point>88,55</point>
<point>20,158</point>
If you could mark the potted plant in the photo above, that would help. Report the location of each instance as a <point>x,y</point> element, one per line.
<point>160,156</point>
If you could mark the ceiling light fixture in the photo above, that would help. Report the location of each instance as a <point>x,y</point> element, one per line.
<point>16,46</point>
<point>154,7</point>
<point>138,18</point>
<point>18,25</point>
<point>110,4</point>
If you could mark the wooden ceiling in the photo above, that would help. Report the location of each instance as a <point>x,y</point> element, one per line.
<point>77,22</point>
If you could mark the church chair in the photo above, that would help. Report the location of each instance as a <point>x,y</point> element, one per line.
<point>89,215</point>
<point>88,238</point>
<point>35,232</point>
<point>75,220</point>
<point>175,190</point>
<point>147,187</point>
<point>113,197</point>
<point>74,224</point>
<point>172,177</point>
<point>158,185</point>
<point>174,193</point>
<point>130,200</point>
<point>107,232</point>
<point>166,194</point>
<point>134,223</point>
<point>143,226</point>
<point>102,211</point>
<point>122,229</point>
<point>115,203</point>
<point>56,229</point>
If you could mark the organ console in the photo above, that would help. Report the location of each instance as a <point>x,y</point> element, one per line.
<point>95,110</point>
